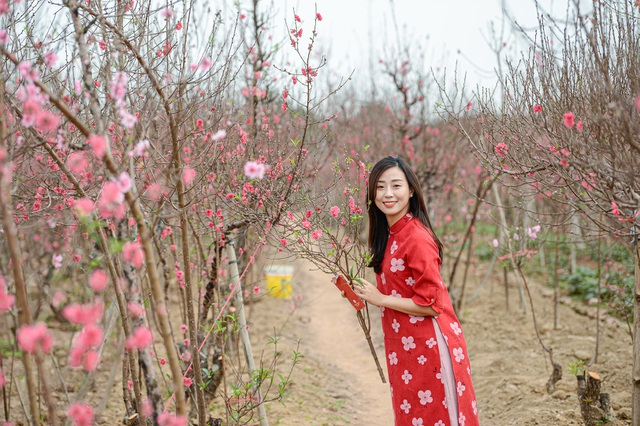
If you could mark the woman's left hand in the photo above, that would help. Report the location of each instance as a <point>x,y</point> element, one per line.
<point>368,292</point>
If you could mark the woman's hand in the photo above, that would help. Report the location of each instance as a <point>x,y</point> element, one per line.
<point>368,292</point>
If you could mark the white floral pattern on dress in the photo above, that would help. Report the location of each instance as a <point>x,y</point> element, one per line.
<point>410,281</point>
<point>461,388</point>
<point>405,406</point>
<point>407,377</point>
<point>458,354</point>
<point>394,247</point>
<point>408,343</point>
<point>425,397</point>
<point>422,360</point>
<point>395,325</point>
<point>393,358</point>
<point>431,343</point>
<point>440,423</point>
<point>417,422</point>
<point>456,328</point>
<point>383,279</point>
<point>397,265</point>
<point>474,405</point>
<point>414,319</point>
<point>462,419</point>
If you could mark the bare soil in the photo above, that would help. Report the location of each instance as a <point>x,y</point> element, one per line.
<point>337,383</point>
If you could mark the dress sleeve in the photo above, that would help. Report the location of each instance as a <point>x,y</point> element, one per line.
<point>424,262</point>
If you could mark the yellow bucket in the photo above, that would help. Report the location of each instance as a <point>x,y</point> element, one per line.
<point>278,278</point>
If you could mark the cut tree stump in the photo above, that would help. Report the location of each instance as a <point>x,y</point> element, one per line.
<point>594,405</point>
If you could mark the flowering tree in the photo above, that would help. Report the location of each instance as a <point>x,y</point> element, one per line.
<point>327,228</point>
<point>130,164</point>
<point>567,126</point>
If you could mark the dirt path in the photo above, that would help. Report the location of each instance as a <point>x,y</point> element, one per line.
<point>337,382</point>
<point>337,337</point>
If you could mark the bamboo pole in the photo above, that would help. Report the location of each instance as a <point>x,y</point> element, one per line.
<point>242,324</point>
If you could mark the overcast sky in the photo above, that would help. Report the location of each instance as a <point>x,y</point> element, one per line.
<point>352,31</point>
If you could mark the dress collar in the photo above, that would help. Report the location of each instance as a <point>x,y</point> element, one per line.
<point>397,227</point>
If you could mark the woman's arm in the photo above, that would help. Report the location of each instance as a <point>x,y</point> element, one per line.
<point>370,293</point>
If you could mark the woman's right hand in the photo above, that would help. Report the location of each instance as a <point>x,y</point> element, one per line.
<point>368,292</point>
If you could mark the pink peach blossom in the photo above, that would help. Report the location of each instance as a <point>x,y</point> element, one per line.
<point>127,119</point>
<point>86,314</point>
<point>84,207</point>
<point>254,170</point>
<point>98,145</point>
<point>569,119</point>
<point>501,149</point>
<point>155,191</point>
<point>140,339</point>
<point>34,337</point>
<point>98,280</point>
<point>56,260</point>
<point>140,148</point>
<point>614,209</point>
<point>6,300</point>
<point>91,360</point>
<point>188,175</point>
<point>47,121</point>
<point>132,253</point>
<point>167,13</point>
<point>170,419</point>
<point>124,182</point>
<point>81,414</point>
<point>90,336</point>
<point>220,134</point>
<point>77,162</point>
<point>136,310</point>
<point>111,195</point>
<point>50,59</point>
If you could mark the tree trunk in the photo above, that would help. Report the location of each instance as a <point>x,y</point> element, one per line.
<point>556,285</point>
<point>503,220</point>
<point>636,340</point>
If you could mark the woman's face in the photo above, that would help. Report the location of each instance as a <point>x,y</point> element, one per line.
<point>393,194</point>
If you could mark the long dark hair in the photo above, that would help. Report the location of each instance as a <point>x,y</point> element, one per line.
<point>378,226</point>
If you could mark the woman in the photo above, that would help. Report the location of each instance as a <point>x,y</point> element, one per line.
<point>427,359</point>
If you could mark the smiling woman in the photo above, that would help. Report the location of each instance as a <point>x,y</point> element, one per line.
<point>392,194</point>
<point>429,371</point>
